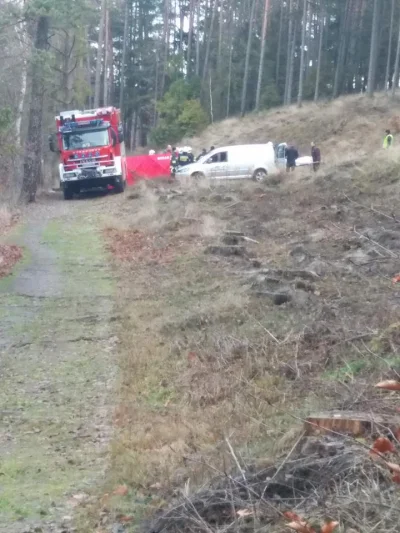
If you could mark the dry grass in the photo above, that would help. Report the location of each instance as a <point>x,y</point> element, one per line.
<point>350,126</point>
<point>322,470</point>
<point>6,219</point>
<point>209,354</point>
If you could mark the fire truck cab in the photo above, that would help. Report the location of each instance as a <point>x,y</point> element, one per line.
<point>91,148</point>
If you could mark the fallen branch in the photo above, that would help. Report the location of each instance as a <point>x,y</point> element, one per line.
<point>231,205</point>
<point>371,208</point>
<point>240,235</point>
<point>248,239</point>
<point>362,236</point>
<point>267,331</point>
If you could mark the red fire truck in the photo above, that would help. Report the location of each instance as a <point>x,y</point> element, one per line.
<point>91,148</point>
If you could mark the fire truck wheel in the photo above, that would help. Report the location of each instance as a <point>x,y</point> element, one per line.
<point>68,193</point>
<point>119,186</point>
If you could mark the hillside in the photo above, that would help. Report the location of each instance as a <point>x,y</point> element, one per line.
<point>248,308</point>
<point>350,126</point>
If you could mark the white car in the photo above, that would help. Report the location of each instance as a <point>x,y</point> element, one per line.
<point>231,162</point>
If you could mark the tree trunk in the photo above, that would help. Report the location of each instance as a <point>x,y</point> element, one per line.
<point>66,78</point>
<point>337,84</point>
<point>211,101</point>
<point>89,70</point>
<point>278,52</point>
<point>262,54</point>
<point>197,66</point>
<point>389,56</point>
<point>228,96</point>
<point>166,40</point>
<point>124,47</point>
<point>97,83</point>
<point>247,59</point>
<point>110,77</point>
<point>288,52</point>
<point>373,55</point>
<point>21,101</point>
<point>209,39</point>
<point>302,52</point>
<point>181,22</point>
<point>291,64</point>
<point>106,59</point>
<point>190,39</point>
<point>396,67</point>
<point>33,145</point>
<point>220,25</point>
<point>319,60</point>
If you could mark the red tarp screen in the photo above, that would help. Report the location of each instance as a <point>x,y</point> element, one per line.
<point>147,167</point>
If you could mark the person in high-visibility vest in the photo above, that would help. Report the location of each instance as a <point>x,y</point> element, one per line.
<point>388,140</point>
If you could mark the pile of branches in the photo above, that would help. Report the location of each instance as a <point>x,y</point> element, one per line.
<point>326,478</point>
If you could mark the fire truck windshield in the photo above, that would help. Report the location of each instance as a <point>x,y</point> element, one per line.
<point>85,139</point>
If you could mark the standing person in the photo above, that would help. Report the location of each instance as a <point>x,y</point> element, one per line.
<point>291,155</point>
<point>174,161</point>
<point>388,140</point>
<point>190,154</point>
<point>169,149</point>
<point>212,148</point>
<point>203,153</point>
<point>184,157</point>
<point>316,156</point>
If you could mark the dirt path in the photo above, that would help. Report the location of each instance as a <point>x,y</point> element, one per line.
<point>57,344</point>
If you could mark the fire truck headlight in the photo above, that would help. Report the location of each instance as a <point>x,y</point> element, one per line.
<point>110,171</point>
<point>70,175</point>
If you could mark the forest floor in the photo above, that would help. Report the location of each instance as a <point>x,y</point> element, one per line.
<point>154,342</point>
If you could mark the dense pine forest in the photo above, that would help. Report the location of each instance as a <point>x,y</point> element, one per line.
<point>173,66</point>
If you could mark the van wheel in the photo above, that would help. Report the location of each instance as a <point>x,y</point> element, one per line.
<point>260,174</point>
<point>198,176</point>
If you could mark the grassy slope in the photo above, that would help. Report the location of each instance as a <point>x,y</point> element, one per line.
<point>206,356</point>
<point>345,127</point>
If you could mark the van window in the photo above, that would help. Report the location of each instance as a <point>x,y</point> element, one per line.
<point>220,157</point>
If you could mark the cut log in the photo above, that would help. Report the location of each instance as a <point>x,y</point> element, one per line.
<point>350,423</point>
<point>226,251</point>
<point>234,232</point>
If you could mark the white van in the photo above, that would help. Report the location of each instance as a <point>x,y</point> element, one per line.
<point>231,162</point>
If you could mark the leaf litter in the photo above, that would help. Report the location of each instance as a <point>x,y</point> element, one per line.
<point>10,254</point>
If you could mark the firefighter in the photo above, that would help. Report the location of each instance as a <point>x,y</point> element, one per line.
<point>185,157</point>
<point>388,140</point>
<point>174,161</point>
<point>190,154</point>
